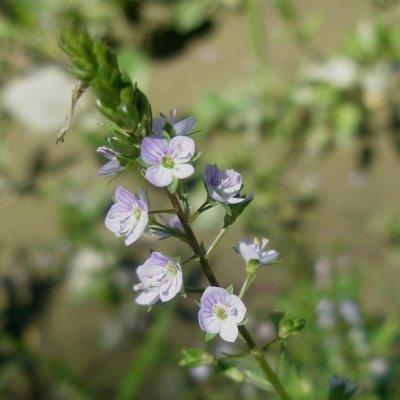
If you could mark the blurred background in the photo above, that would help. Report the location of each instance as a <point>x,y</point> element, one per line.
<point>302,97</point>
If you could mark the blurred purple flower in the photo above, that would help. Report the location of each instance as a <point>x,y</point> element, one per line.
<point>181,128</point>
<point>254,250</point>
<point>223,185</point>
<point>128,216</point>
<point>111,167</point>
<point>170,221</point>
<point>167,159</point>
<point>221,312</point>
<point>160,278</point>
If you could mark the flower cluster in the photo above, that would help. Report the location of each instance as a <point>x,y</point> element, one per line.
<point>166,156</point>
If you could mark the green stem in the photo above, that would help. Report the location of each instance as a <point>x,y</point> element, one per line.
<point>165,211</point>
<point>215,242</point>
<point>199,250</point>
<point>246,284</point>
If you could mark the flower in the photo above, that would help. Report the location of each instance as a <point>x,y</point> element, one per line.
<point>167,159</point>
<point>223,185</point>
<point>111,167</point>
<point>128,216</point>
<point>181,128</point>
<point>254,250</point>
<point>221,312</point>
<point>160,278</point>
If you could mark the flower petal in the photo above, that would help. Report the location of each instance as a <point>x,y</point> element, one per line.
<point>208,322</point>
<point>247,250</point>
<point>181,149</point>
<point>147,297</point>
<point>213,295</point>
<point>269,257</point>
<point>136,231</point>
<point>157,125</point>
<point>124,196</point>
<point>182,171</point>
<point>229,331</point>
<point>185,126</point>
<point>159,176</point>
<point>237,309</point>
<point>153,148</point>
<point>110,168</point>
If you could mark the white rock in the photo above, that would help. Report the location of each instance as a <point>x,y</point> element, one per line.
<point>40,100</point>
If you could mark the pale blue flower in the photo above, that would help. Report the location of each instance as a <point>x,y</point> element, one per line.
<point>167,159</point>
<point>160,278</point>
<point>221,312</point>
<point>129,215</point>
<point>253,250</point>
<point>223,185</point>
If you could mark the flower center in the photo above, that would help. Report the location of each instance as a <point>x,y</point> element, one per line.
<point>220,312</point>
<point>167,162</point>
<point>137,213</point>
<point>171,268</point>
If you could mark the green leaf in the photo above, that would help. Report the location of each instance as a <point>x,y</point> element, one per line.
<point>234,373</point>
<point>290,326</point>
<point>233,211</point>
<point>209,336</point>
<point>341,388</point>
<point>230,289</point>
<point>195,357</point>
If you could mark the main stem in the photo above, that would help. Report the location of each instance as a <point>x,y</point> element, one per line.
<point>200,252</point>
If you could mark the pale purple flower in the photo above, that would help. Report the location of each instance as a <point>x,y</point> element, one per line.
<point>223,185</point>
<point>221,312</point>
<point>129,215</point>
<point>160,278</point>
<point>167,159</point>
<point>111,167</point>
<point>254,250</point>
<point>181,128</point>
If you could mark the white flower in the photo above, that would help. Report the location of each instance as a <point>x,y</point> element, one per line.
<point>221,312</point>
<point>160,278</point>
<point>254,250</point>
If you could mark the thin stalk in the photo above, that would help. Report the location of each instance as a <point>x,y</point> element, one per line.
<point>205,206</point>
<point>215,242</point>
<point>246,284</point>
<point>194,290</point>
<point>199,250</point>
<point>165,211</point>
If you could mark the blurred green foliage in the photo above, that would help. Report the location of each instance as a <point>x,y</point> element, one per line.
<point>347,99</point>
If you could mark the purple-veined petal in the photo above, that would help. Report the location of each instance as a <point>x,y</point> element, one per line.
<point>213,295</point>
<point>237,309</point>
<point>181,149</point>
<point>229,331</point>
<point>153,149</point>
<point>185,126</point>
<point>208,322</point>
<point>137,230</point>
<point>159,176</point>
<point>110,168</point>
<point>124,196</point>
<point>182,171</point>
